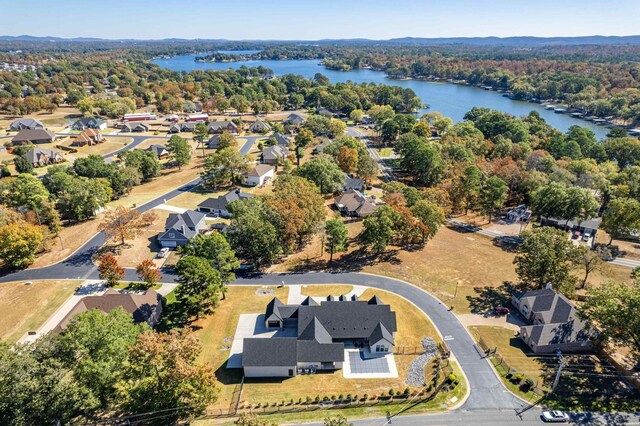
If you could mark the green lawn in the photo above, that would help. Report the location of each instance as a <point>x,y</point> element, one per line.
<point>384,152</point>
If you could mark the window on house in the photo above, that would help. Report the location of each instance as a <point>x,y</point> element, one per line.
<point>172,235</point>
<point>382,348</point>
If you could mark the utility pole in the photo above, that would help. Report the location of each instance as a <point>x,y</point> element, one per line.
<point>561,364</point>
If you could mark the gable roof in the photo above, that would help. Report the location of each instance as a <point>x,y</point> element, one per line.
<point>315,331</point>
<point>259,124</point>
<point>274,152</point>
<point>294,117</point>
<point>26,123</point>
<point>159,150</point>
<point>141,306</point>
<point>281,139</point>
<point>260,170</point>
<point>222,201</point>
<point>355,202</point>
<point>381,333</point>
<point>36,155</point>
<point>88,122</point>
<point>183,226</point>
<point>190,218</point>
<point>27,135</point>
<point>218,125</point>
<point>348,319</point>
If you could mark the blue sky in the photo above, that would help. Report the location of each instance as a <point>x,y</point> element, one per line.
<point>312,20</point>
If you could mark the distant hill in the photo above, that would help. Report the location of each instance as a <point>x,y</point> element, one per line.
<point>404,41</point>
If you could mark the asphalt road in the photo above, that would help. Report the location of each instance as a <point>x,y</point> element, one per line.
<point>79,265</point>
<point>386,171</point>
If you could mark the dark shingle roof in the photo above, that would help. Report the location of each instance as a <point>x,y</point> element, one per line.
<point>221,202</point>
<point>379,333</point>
<point>27,135</point>
<point>279,352</point>
<point>312,351</point>
<point>315,331</point>
<point>345,320</point>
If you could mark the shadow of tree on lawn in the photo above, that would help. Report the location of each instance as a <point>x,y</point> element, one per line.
<point>486,298</point>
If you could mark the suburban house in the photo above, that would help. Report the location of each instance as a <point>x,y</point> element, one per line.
<point>352,183</point>
<point>554,324</point>
<point>213,142</point>
<point>35,136</point>
<point>174,118</point>
<point>259,126</point>
<point>160,150</point>
<point>218,206</point>
<point>89,137</point>
<point>519,214</point>
<point>293,119</point>
<point>145,116</point>
<point>174,128</point>
<point>134,127</point>
<point>182,127</point>
<point>324,112</point>
<point>586,226</point>
<point>26,123</point>
<point>221,126</point>
<point>274,155</point>
<point>39,157</point>
<point>259,175</point>
<point>89,123</point>
<point>353,203</point>
<point>145,307</point>
<point>312,336</point>
<point>180,228</point>
<point>319,149</point>
<point>281,139</point>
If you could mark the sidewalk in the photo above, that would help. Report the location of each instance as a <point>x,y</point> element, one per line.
<point>94,288</point>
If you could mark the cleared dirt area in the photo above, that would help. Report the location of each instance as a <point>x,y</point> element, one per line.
<point>144,246</point>
<point>110,144</point>
<point>27,307</point>
<point>69,239</point>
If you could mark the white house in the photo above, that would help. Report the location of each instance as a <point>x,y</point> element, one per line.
<point>260,174</point>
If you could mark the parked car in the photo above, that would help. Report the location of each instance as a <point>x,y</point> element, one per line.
<point>555,416</point>
<point>586,236</point>
<point>501,310</point>
<point>576,235</point>
<point>162,253</point>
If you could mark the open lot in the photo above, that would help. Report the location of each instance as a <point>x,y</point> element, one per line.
<point>325,290</point>
<point>216,333</point>
<point>110,144</point>
<point>27,307</point>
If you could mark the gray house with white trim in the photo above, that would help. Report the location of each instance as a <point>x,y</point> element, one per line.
<point>554,323</point>
<point>218,206</point>
<point>180,228</point>
<point>321,332</point>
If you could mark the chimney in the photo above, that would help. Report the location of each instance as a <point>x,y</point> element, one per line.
<point>548,286</point>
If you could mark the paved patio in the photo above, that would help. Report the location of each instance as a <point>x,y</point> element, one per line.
<point>378,366</point>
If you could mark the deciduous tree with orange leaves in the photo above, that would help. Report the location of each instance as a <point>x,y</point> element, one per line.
<point>148,273</point>
<point>124,224</point>
<point>109,270</point>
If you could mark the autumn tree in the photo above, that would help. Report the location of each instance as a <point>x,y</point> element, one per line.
<point>378,229</point>
<point>431,216</point>
<point>304,137</point>
<point>298,209</point>
<point>19,242</point>
<point>109,270</point>
<point>337,237</point>
<point>227,140</point>
<point>324,172</point>
<point>163,373</point>
<point>347,159</point>
<point>179,150</point>
<point>124,224</point>
<point>148,273</point>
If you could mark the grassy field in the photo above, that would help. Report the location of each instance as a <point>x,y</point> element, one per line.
<point>385,152</point>
<point>27,307</point>
<point>516,354</point>
<point>216,333</point>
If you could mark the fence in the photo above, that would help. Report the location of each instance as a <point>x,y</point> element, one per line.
<point>236,398</point>
<point>500,363</point>
<point>408,350</point>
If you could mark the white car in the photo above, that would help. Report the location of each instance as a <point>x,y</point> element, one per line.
<point>162,253</point>
<point>555,416</point>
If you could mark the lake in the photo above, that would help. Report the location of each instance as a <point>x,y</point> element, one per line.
<point>452,100</point>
